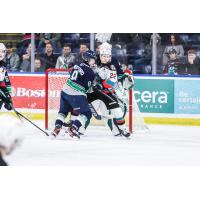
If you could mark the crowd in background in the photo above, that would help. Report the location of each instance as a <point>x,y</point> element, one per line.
<point>177,54</point>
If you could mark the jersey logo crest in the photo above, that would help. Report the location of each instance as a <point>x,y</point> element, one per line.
<point>112,67</point>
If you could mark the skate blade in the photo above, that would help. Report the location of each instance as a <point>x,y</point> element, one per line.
<point>122,137</point>
<point>54,136</point>
<point>72,135</point>
<point>75,136</point>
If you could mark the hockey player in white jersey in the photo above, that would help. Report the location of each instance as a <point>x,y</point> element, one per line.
<point>110,88</point>
<point>105,91</point>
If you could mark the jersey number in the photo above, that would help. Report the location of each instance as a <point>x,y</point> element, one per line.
<point>74,75</point>
<point>113,75</point>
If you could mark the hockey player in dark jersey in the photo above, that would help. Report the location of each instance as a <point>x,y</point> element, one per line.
<point>73,95</point>
<point>5,85</point>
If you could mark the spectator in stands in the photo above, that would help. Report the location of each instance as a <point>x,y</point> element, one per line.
<point>173,63</point>
<point>48,60</point>
<point>38,67</point>
<point>66,60</point>
<point>192,57</point>
<point>174,43</point>
<point>83,48</point>
<point>97,47</point>
<point>11,59</point>
<point>26,60</point>
<point>191,64</point>
<point>45,38</point>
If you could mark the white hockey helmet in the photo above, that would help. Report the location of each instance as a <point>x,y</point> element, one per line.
<point>105,49</point>
<point>2,51</point>
<point>11,133</point>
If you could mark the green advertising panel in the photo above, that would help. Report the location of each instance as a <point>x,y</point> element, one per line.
<point>155,96</point>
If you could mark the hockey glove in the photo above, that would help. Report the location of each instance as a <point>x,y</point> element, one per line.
<point>131,81</point>
<point>8,106</point>
<point>97,87</point>
<point>6,98</point>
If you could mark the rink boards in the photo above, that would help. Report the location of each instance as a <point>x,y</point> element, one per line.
<point>161,100</point>
<point>189,120</point>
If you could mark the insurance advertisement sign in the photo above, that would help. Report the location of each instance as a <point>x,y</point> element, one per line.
<point>187,96</point>
<point>154,95</point>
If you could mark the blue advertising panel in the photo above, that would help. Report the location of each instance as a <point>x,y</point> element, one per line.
<point>187,96</point>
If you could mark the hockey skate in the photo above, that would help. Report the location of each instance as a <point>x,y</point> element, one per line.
<point>80,133</point>
<point>73,132</point>
<point>125,133</point>
<point>117,134</point>
<point>56,131</point>
<point>67,124</point>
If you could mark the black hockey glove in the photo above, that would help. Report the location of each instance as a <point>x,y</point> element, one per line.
<point>6,98</point>
<point>8,106</point>
<point>97,87</point>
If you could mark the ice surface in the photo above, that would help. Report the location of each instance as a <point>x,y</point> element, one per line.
<point>164,145</point>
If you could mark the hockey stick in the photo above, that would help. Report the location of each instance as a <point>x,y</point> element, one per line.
<point>122,102</point>
<point>125,110</point>
<point>20,115</point>
<point>125,107</point>
<point>94,112</point>
<point>98,116</point>
<point>120,131</point>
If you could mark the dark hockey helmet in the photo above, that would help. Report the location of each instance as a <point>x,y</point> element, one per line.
<point>89,55</point>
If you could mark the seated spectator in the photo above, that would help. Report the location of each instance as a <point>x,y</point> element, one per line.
<point>172,64</point>
<point>48,60</point>
<point>45,38</point>
<point>174,43</point>
<point>66,60</point>
<point>26,60</point>
<point>97,47</point>
<point>38,67</point>
<point>191,65</point>
<point>83,48</point>
<point>11,59</point>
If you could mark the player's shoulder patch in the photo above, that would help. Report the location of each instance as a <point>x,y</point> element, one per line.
<point>112,67</point>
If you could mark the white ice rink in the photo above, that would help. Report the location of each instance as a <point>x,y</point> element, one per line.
<point>164,145</point>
